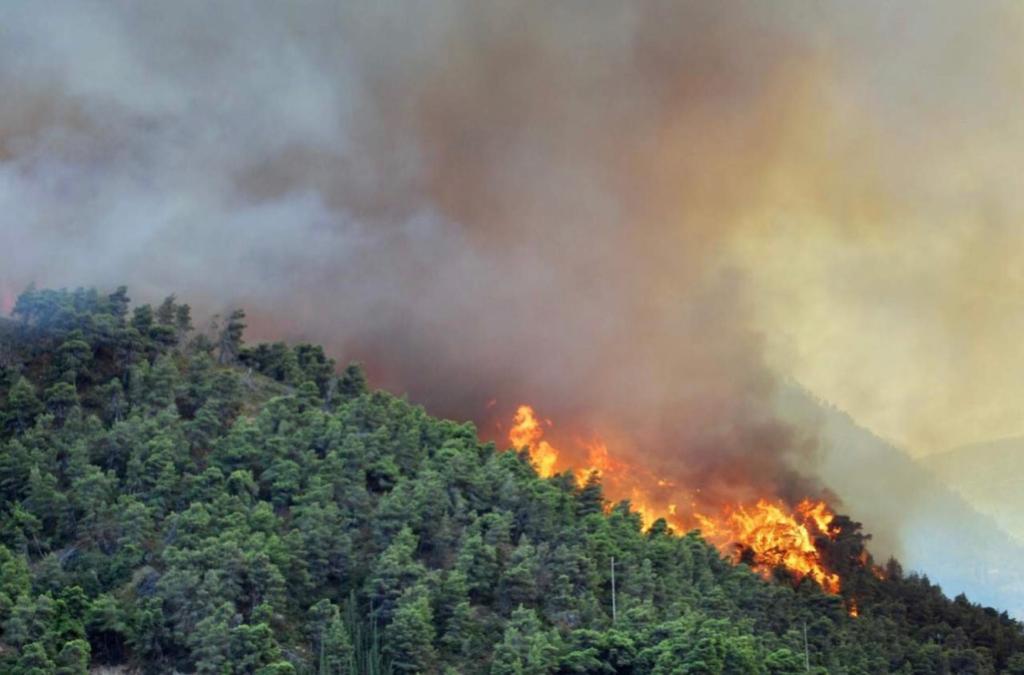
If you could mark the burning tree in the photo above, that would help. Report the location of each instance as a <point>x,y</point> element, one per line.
<point>806,540</point>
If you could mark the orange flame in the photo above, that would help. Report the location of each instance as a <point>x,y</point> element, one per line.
<point>767,534</point>
<point>526,432</point>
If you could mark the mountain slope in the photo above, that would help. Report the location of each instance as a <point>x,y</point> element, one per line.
<point>911,513</point>
<point>193,504</point>
<point>990,476</point>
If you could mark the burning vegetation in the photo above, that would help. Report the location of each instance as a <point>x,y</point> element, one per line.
<point>300,521</point>
<point>767,534</point>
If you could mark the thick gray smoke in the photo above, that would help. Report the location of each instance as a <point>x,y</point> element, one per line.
<point>526,201</point>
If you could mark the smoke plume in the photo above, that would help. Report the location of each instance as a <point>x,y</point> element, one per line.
<point>634,216</point>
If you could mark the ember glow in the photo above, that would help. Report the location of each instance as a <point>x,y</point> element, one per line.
<point>767,534</point>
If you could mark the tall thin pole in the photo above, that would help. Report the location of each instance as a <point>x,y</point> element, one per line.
<point>614,612</point>
<point>807,654</point>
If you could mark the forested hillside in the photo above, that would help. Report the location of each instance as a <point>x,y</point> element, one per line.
<point>173,500</point>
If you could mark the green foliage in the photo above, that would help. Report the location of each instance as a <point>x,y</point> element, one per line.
<point>352,382</point>
<point>526,647</point>
<point>206,506</point>
<point>73,658</point>
<point>229,341</point>
<point>22,408</point>
<point>409,637</point>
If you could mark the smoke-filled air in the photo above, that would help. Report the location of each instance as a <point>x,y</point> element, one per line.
<point>624,236</point>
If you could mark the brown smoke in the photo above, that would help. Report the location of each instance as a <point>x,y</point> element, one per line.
<point>590,164</point>
<point>630,215</point>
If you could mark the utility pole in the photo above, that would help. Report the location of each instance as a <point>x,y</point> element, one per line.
<point>807,654</point>
<point>614,613</point>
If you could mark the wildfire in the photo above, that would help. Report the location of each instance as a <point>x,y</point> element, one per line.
<point>526,432</point>
<point>770,536</point>
<point>767,534</point>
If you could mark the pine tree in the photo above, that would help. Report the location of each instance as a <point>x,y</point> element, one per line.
<point>61,399</point>
<point>591,496</point>
<point>518,581</point>
<point>395,571</point>
<point>526,648</point>
<point>119,302</point>
<point>182,322</point>
<point>35,661</point>
<point>142,319</point>
<point>210,642</point>
<point>409,638</point>
<point>23,406</point>
<point>331,641</point>
<point>352,382</point>
<point>73,658</point>
<point>229,341</point>
<point>167,311</point>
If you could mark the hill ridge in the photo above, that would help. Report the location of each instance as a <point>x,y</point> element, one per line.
<point>152,516</point>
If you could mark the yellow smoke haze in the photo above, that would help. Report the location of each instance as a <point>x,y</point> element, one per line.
<point>885,247</point>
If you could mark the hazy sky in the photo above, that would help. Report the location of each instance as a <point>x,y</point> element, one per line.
<point>637,215</point>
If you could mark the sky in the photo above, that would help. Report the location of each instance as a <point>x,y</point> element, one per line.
<point>642,218</point>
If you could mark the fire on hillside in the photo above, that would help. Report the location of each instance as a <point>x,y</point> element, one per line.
<point>768,534</point>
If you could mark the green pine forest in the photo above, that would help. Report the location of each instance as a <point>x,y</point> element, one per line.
<point>176,500</point>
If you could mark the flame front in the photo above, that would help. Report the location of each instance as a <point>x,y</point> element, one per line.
<point>526,432</point>
<point>770,536</point>
<point>766,534</point>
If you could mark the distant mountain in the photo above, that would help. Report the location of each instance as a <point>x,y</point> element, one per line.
<point>913,514</point>
<point>989,475</point>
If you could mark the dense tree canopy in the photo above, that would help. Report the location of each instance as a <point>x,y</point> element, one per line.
<point>179,501</point>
